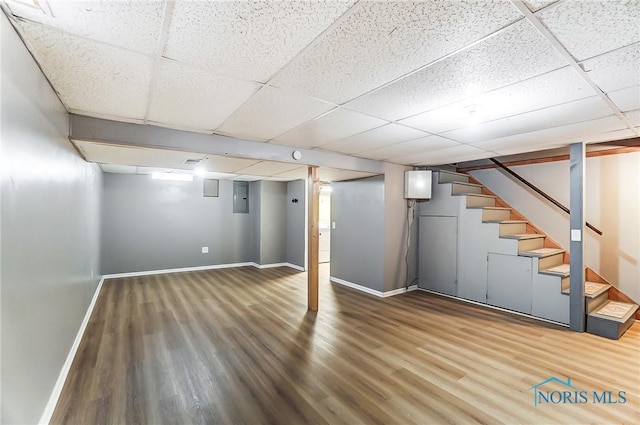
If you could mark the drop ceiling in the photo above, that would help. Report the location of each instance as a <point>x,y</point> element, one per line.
<point>399,81</point>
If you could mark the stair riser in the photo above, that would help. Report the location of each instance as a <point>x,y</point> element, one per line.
<point>513,229</point>
<point>607,328</point>
<point>449,178</point>
<point>530,244</point>
<point>495,215</point>
<point>550,261</point>
<point>461,189</point>
<point>479,201</point>
<point>594,303</point>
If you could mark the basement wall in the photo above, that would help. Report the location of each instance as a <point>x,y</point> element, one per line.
<point>612,205</point>
<point>50,235</point>
<point>157,224</point>
<point>296,223</point>
<point>357,242</point>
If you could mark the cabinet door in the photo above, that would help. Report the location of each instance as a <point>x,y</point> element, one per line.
<point>509,282</point>
<point>438,254</point>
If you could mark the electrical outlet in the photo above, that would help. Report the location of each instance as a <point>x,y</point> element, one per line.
<point>205,249</point>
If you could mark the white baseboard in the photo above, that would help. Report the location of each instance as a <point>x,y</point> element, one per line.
<point>178,270</point>
<point>295,267</point>
<point>372,291</point>
<point>493,307</point>
<point>62,377</point>
<point>199,268</point>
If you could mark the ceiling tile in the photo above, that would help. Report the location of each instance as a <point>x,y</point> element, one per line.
<point>634,117</point>
<point>118,169</point>
<point>190,97</point>
<point>335,125</point>
<point>615,70</point>
<point>572,112</point>
<point>105,153</point>
<point>244,178</point>
<point>556,136</point>
<point>226,164</point>
<point>134,25</point>
<point>535,5</point>
<point>299,173</point>
<point>413,147</point>
<point>513,55</point>
<point>327,174</point>
<point>381,41</point>
<point>271,112</point>
<point>589,28</point>
<point>445,156</point>
<point>626,99</point>
<point>248,40</point>
<point>90,76</point>
<point>268,168</point>
<point>553,88</point>
<point>378,137</point>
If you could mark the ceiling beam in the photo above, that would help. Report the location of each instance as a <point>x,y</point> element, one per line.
<point>128,134</point>
<point>558,47</point>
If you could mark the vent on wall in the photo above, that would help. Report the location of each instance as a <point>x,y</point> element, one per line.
<point>192,161</point>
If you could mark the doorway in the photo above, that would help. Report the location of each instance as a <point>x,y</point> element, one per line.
<point>324,224</point>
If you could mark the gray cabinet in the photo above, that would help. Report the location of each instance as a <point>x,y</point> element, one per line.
<point>438,254</point>
<point>509,282</point>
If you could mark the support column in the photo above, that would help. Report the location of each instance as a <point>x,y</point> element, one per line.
<point>577,161</point>
<point>313,238</point>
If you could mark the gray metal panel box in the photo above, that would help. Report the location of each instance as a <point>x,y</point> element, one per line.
<point>241,197</point>
<point>210,188</point>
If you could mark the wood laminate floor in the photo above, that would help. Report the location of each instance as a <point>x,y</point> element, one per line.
<point>237,346</point>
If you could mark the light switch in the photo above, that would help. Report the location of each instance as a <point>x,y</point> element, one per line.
<point>576,235</point>
<point>205,249</point>
<point>333,225</point>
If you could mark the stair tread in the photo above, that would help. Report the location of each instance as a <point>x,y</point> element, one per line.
<point>452,172</point>
<point>541,252</point>
<point>522,236</point>
<point>489,208</point>
<point>506,221</point>
<point>592,289</point>
<point>561,270</point>
<point>465,184</point>
<point>615,311</point>
<point>479,195</point>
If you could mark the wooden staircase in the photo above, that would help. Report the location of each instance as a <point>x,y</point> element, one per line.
<point>609,312</point>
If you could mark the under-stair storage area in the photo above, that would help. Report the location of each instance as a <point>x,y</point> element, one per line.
<point>474,246</point>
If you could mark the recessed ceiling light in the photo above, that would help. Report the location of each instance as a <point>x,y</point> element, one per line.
<point>172,176</point>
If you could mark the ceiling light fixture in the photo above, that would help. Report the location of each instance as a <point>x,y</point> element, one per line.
<point>172,177</point>
<point>199,171</point>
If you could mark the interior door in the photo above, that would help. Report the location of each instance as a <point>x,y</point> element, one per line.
<point>324,225</point>
<point>509,281</point>
<point>438,254</point>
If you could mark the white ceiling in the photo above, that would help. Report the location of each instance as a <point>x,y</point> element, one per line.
<point>385,80</point>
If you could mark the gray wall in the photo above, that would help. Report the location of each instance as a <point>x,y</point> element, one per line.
<point>358,241</point>
<point>273,226</point>
<point>157,224</point>
<point>50,208</point>
<point>296,223</point>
